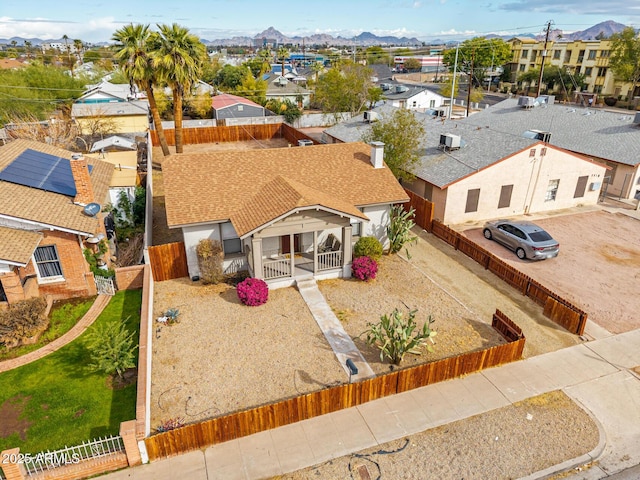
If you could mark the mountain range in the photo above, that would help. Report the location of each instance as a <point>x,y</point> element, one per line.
<point>365,39</point>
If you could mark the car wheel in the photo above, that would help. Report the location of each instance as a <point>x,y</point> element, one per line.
<point>487,233</point>
<point>521,254</point>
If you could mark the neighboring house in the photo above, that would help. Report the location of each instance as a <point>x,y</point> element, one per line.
<point>411,97</point>
<point>611,138</point>
<point>117,117</point>
<point>123,155</point>
<point>282,213</point>
<point>474,173</point>
<point>43,225</point>
<point>106,92</point>
<point>280,88</point>
<point>353,129</point>
<point>226,106</point>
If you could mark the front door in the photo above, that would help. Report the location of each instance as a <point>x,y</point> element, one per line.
<point>285,241</point>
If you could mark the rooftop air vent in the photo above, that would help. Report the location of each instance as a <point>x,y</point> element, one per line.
<point>449,141</point>
<point>401,89</point>
<point>385,86</point>
<point>305,142</point>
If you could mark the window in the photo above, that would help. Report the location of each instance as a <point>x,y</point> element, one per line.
<point>592,54</point>
<point>556,54</point>
<point>533,55</point>
<point>355,228</point>
<point>473,196</point>
<point>522,68</point>
<point>525,53</point>
<point>543,151</point>
<point>532,152</point>
<point>567,56</point>
<point>415,104</point>
<point>580,56</point>
<point>552,190</point>
<point>602,71</point>
<point>230,241</point>
<point>588,71</point>
<point>605,53</point>
<point>48,262</point>
<point>505,196</point>
<point>240,108</point>
<point>432,104</point>
<point>581,186</point>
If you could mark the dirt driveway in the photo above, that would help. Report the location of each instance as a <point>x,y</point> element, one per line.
<point>598,267</point>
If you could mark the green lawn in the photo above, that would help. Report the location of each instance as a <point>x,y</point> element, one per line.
<point>62,317</point>
<point>62,402</point>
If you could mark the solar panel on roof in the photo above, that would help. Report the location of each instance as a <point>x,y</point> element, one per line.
<point>42,171</point>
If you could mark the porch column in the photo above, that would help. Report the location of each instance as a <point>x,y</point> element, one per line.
<point>256,251</point>
<point>292,252</point>
<point>347,250</point>
<point>315,252</point>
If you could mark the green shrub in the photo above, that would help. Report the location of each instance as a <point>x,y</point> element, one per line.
<point>210,258</point>
<point>399,229</point>
<point>368,247</point>
<point>22,320</point>
<point>112,348</point>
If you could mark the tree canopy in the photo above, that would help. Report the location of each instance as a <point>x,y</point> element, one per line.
<point>484,53</point>
<point>401,134</point>
<point>625,57</point>
<point>346,88</point>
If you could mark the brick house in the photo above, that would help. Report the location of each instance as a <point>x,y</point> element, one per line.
<point>44,222</point>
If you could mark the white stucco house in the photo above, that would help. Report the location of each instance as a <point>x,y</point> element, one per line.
<point>282,213</point>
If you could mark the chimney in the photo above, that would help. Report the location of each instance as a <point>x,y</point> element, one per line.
<point>82,180</point>
<point>377,154</point>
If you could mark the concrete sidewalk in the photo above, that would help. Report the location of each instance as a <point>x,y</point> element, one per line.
<point>599,375</point>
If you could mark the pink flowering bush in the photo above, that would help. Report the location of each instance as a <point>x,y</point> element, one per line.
<point>253,292</point>
<point>364,268</point>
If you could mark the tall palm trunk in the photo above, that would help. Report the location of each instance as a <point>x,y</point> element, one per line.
<point>157,121</point>
<point>177,117</point>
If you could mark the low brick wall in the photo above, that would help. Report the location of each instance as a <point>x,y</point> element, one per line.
<point>130,278</point>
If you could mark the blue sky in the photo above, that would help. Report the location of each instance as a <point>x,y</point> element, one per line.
<point>95,21</point>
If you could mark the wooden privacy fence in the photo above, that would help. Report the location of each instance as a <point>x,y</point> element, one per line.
<point>236,133</point>
<point>168,261</point>
<point>285,412</point>
<point>556,308</point>
<point>293,135</point>
<point>423,208</point>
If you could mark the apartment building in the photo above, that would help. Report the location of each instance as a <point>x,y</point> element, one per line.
<point>587,57</point>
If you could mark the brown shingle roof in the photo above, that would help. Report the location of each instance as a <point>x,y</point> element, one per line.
<point>48,207</point>
<point>279,197</point>
<point>252,187</point>
<point>17,246</point>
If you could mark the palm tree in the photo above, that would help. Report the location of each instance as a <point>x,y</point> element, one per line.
<point>77,43</point>
<point>65,37</point>
<point>178,61</point>
<point>283,53</point>
<point>135,57</point>
<point>27,45</point>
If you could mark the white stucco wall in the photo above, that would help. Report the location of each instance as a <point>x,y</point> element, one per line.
<point>377,225</point>
<point>530,178</point>
<point>192,235</point>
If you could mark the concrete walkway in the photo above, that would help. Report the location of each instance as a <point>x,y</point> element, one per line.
<point>598,375</point>
<point>338,339</point>
<point>75,331</point>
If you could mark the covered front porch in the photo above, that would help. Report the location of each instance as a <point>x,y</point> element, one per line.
<point>316,244</point>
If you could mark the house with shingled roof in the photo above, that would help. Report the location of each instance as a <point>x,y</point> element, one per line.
<point>226,106</point>
<point>284,213</point>
<point>44,222</point>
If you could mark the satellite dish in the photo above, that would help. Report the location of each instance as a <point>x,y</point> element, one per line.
<point>92,209</point>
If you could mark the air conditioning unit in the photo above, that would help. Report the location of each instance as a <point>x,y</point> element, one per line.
<point>305,142</point>
<point>385,86</point>
<point>594,186</point>
<point>526,102</point>
<point>370,116</point>
<point>449,141</point>
<point>401,89</point>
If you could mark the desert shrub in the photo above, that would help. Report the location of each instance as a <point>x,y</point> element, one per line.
<point>364,268</point>
<point>368,247</point>
<point>210,258</point>
<point>399,229</point>
<point>170,424</point>
<point>22,320</point>
<point>394,335</point>
<point>253,292</point>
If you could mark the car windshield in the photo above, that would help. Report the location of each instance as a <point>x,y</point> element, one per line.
<point>540,236</point>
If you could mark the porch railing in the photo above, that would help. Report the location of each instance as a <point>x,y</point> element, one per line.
<point>276,268</point>
<point>329,260</point>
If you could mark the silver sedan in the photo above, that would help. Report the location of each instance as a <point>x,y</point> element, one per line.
<point>527,239</point>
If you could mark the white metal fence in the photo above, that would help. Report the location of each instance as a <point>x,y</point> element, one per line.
<point>105,286</point>
<point>45,461</point>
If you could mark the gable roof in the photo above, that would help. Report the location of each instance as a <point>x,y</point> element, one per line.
<point>17,246</point>
<point>44,207</point>
<point>589,131</point>
<point>253,187</point>
<point>225,100</point>
<point>114,141</point>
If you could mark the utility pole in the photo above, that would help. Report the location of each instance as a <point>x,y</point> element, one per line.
<point>544,56</point>
<point>470,80</point>
<point>453,81</point>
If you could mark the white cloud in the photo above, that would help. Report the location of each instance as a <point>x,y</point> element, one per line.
<point>95,30</point>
